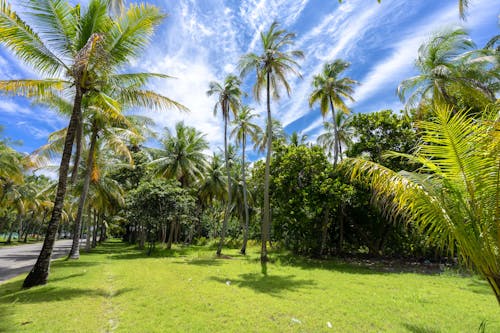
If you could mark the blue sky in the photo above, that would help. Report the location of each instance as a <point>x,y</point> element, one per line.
<point>202,40</point>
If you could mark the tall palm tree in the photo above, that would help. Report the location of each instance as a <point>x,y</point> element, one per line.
<point>271,68</point>
<point>76,51</point>
<point>445,66</point>
<point>182,156</point>
<point>455,197</point>
<point>330,91</point>
<point>228,99</point>
<point>243,128</point>
<point>327,139</point>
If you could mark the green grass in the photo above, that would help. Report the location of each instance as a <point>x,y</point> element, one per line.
<point>118,289</point>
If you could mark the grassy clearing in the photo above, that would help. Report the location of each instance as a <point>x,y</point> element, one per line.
<point>118,289</point>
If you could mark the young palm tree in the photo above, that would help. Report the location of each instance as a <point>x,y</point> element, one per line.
<point>182,156</point>
<point>271,68</point>
<point>445,67</point>
<point>228,99</point>
<point>278,134</point>
<point>344,131</point>
<point>455,197</point>
<point>77,51</point>
<point>330,91</point>
<point>243,128</point>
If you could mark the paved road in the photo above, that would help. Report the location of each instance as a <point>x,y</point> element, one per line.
<point>20,259</point>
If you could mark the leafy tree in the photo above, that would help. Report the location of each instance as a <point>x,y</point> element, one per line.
<point>330,91</point>
<point>271,68</point>
<point>454,197</point>
<point>306,196</point>
<point>382,131</point>
<point>228,99</point>
<point>243,128</point>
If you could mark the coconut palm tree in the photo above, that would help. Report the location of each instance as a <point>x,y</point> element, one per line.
<point>228,99</point>
<point>271,69</point>
<point>446,66</point>
<point>330,91</point>
<point>327,139</point>
<point>454,199</point>
<point>278,134</point>
<point>77,51</point>
<point>243,128</point>
<point>182,156</point>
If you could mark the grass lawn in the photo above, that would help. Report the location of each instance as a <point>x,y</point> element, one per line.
<point>116,288</point>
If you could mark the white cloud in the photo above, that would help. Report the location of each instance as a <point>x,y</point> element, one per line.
<point>10,107</point>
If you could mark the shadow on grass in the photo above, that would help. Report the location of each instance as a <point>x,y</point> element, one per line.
<point>272,285</point>
<point>200,262</point>
<point>419,328</point>
<point>479,287</point>
<point>54,294</point>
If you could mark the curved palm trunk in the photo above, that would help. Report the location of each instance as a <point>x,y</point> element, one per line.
<point>335,134</point>
<point>245,200</point>
<point>40,272</point>
<point>74,253</point>
<point>494,282</point>
<point>266,221</point>
<point>228,204</point>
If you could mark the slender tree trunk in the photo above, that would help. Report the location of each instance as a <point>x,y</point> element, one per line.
<point>96,226</point>
<point>335,134</point>
<point>40,272</point>
<point>228,171</point>
<point>78,150</point>
<point>89,229</point>
<point>245,200</point>
<point>266,221</point>
<point>74,253</point>
<point>171,234</point>
<point>163,233</point>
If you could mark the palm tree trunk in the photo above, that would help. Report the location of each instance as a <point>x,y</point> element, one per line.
<point>228,171</point>
<point>245,200</point>
<point>89,229</point>
<point>40,271</point>
<point>94,231</point>
<point>78,150</point>
<point>335,134</point>
<point>494,282</point>
<point>74,253</point>
<point>266,221</point>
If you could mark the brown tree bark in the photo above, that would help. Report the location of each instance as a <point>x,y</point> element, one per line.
<point>40,272</point>
<point>74,253</point>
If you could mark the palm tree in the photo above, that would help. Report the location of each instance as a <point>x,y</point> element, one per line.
<point>271,68</point>
<point>244,127</point>
<point>182,156</point>
<point>297,139</point>
<point>445,66</point>
<point>344,131</point>
<point>278,134</point>
<point>77,51</point>
<point>330,91</point>
<point>455,198</point>
<point>228,99</point>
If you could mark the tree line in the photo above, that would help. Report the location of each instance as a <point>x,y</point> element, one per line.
<point>343,193</point>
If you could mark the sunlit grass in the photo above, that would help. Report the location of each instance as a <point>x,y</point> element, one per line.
<point>117,288</point>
